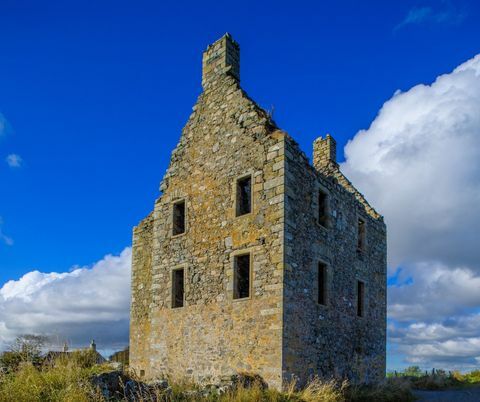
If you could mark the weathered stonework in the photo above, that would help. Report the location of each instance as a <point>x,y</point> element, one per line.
<point>279,331</point>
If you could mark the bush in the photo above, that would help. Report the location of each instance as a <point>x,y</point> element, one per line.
<point>25,349</point>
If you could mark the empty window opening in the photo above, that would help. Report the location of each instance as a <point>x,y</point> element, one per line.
<point>178,291</point>
<point>322,284</point>
<point>360,298</point>
<point>241,277</point>
<point>244,196</point>
<point>179,218</point>
<point>322,208</point>
<point>361,235</point>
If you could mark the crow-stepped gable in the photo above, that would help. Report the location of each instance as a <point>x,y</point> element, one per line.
<point>253,259</point>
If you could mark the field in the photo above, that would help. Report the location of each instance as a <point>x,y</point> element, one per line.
<point>27,376</point>
<point>78,379</point>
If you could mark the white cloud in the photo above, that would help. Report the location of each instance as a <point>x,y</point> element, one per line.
<point>418,163</point>
<point>448,14</point>
<point>86,303</point>
<point>3,125</point>
<point>437,291</point>
<point>451,344</point>
<point>3,237</point>
<point>435,318</point>
<point>14,160</point>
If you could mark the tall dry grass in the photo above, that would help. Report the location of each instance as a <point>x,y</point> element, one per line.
<point>69,380</point>
<point>62,383</point>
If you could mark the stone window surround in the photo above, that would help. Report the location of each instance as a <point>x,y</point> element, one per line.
<point>365,297</point>
<point>177,200</point>
<point>249,173</point>
<point>328,284</point>
<point>328,211</point>
<point>185,285</point>
<point>361,251</point>
<point>231,274</point>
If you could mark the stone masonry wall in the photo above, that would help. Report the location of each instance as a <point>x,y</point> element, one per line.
<point>226,137</point>
<point>142,253</point>
<point>331,340</point>
<point>280,331</point>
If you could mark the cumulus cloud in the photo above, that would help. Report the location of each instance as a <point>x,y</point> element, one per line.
<point>453,343</point>
<point>76,306</point>
<point>458,289</point>
<point>14,160</point>
<point>418,164</point>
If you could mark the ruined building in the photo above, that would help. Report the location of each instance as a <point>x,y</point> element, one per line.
<point>253,259</point>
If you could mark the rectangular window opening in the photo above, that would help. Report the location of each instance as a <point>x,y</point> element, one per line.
<point>322,284</point>
<point>360,299</point>
<point>178,218</point>
<point>241,277</point>
<point>178,289</point>
<point>322,208</point>
<point>244,196</point>
<point>361,235</point>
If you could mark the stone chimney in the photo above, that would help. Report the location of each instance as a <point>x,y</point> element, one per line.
<point>221,57</point>
<point>325,153</point>
<point>93,345</point>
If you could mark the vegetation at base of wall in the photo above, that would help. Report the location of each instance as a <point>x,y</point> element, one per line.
<point>121,356</point>
<point>435,379</point>
<point>69,380</point>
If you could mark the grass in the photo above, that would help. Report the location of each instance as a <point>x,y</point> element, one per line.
<point>69,380</point>
<point>66,383</point>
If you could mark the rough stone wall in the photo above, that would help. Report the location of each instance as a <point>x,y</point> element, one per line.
<point>331,340</point>
<point>280,331</point>
<point>226,137</point>
<point>142,253</point>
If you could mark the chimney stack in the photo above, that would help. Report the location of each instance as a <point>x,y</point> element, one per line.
<point>221,57</point>
<point>325,153</point>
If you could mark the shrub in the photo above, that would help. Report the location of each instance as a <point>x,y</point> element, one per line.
<point>413,371</point>
<point>25,349</point>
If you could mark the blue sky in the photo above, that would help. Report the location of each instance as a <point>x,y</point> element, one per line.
<point>94,96</point>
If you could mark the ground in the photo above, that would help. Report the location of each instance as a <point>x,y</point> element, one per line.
<point>453,395</point>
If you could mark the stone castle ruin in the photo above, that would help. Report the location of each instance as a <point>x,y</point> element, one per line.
<point>253,259</point>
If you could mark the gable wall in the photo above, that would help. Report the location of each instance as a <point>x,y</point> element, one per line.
<point>214,336</point>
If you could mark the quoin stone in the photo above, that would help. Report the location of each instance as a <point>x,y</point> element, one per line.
<point>253,259</point>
